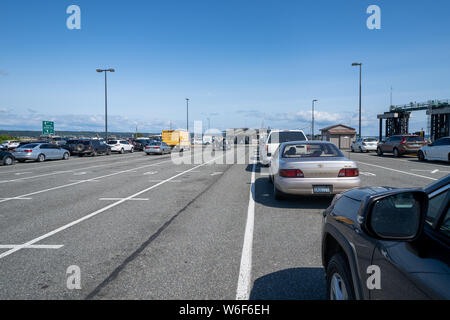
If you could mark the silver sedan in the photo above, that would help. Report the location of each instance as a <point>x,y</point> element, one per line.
<point>311,168</point>
<point>157,148</point>
<point>40,152</point>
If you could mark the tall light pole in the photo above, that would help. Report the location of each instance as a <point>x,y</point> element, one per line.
<point>312,122</point>
<point>106,100</point>
<point>187,114</point>
<point>360,74</point>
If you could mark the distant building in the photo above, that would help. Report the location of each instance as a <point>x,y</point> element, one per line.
<point>339,134</point>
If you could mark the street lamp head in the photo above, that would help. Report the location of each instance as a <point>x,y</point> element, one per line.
<point>315,100</point>
<point>111,70</point>
<point>99,70</point>
<point>354,64</point>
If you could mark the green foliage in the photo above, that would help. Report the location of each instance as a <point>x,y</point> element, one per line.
<point>6,138</point>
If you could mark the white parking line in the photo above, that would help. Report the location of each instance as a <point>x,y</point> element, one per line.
<point>36,246</point>
<point>16,198</point>
<point>80,181</point>
<point>93,214</point>
<point>243,287</point>
<point>395,170</point>
<point>117,199</point>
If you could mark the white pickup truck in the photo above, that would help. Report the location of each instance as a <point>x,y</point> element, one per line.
<point>269,144</point>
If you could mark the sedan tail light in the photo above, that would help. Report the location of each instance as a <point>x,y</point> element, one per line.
<point>348,173</point>
<point>28,150</point>
<point>291,173</point>
<point>266,148</point>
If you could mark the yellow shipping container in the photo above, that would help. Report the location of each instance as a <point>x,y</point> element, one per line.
<point>176,138</point>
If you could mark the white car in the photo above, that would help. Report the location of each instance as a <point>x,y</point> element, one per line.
<point>270,144</point>
<point>120,146</point>
<point>438,150</point>
<point>365,145</point>
<point>8,145</point>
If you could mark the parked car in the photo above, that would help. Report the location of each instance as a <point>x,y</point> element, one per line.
<point>70,145</point>
<point>121,146</point>
<point>6,158</point>
<point>40,152</point>
<point>91,147</point>
<point>157,147</point>
<point>404,233</point>
<point>10,144</point>
<point>311,168</point>
<point>401,144</point>
<point>364,145</point>
<point>274,139</point>
<point>438,150</point>
<point>139,144</point>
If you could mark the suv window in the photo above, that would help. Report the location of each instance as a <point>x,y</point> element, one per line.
<point>286,136</point>
<point>395,139</point>
<point>445,226</point>
<point>414,139</point>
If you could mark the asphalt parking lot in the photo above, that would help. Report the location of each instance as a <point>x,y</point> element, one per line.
<point>142,227</point>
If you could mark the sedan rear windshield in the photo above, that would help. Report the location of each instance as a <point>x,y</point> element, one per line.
<point>112,142</point>
<point>370,140</point>
<point>29,146</point>
<point>155,143</point>
<point>304,150</point>
<point>286,136</point>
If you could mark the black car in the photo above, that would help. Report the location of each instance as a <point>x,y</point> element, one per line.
<point>389,244</point>
<point>70,145</point>
<point>90,147</point>
<point>6,158</point>
<point>139,144</point>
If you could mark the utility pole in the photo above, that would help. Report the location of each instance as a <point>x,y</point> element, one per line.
<point>312,120</point>
<point>106,100</point>
<point>187,114</point>
<point>360,80</point>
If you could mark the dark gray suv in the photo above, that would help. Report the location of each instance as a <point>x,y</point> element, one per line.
<point>386,243</point>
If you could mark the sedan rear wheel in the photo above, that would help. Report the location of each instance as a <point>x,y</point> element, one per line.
<point>339,281</point>
<point>278,195</point>
<point>40,158</point>
<point>8,161</point>
<point>66,156</point>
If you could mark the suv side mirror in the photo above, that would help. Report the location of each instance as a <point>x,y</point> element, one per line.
<point>396,215</point>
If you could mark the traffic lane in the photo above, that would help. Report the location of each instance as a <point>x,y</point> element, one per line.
<point>58,166</point>
<point>23,220</point>
<point>286,245</point>
<point>24,187</point>
<point>287,237</point>
<point>101,244</point>
<point>198,255</point>
<point>428,170</point>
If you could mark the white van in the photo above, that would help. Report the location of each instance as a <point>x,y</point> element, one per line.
<point>270,143</point>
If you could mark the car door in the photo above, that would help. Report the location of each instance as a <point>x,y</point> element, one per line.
<point>419,269</point>
<point>444,150</point>
<point>47,151</point>
<point>385,147</point>
<point>57,151</point>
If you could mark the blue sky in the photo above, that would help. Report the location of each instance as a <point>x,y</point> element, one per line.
<point>241,62</point>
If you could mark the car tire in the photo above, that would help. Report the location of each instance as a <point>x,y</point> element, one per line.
<point>7,161</point>
<point>122,151</point>
<point>379,152</point>
<point>339,279</point>
<point>277,194</point>
<point>361,150</point>
<point>396,153</point>
<point>421,156</point>
<point>353,150</point>
<point>66,156</point>
<point>132,150</point>
<point>94,153</point>
<point>270,178</point>
<point>108,152</point>
<point>40,158</point>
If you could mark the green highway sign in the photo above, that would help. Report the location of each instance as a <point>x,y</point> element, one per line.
<point>48,127</point>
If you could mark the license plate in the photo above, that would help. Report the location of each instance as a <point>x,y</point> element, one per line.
<point>322,189</point>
